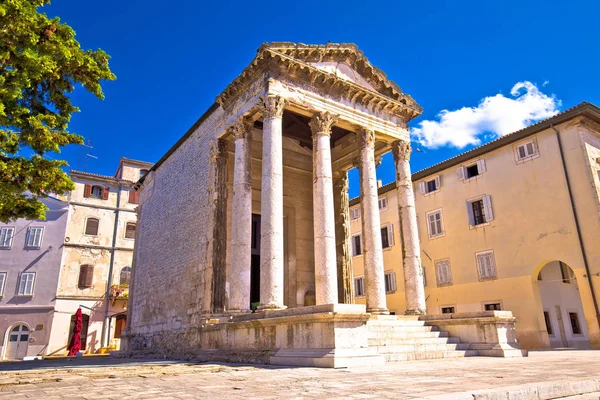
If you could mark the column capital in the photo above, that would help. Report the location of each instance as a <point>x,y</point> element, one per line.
<point>272,106</point>
<point>401,150</point>
<point>366,136</point>
<point>241,128</point>
<point>322,122</point>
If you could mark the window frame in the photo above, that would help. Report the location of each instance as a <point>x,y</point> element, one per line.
<point>548,322</point>
<point>448,282</point>
<point>461,171</point>
<point>353,244</point>
<point>492,302</point>
<point>360,279</point>
<point>524,143</point>
<point>85,285</point>
<point>487,210</point>
<point>12,237</point>
<point>452,306</point>
<point>384,200</point>
<point>443,231</point>
<point>102,189</point>
<point>354,210</point>
<point>4,275</point>
<point>494,266</point>
<point>86,225</point>
<point>577,320</point>
<point>390,236</point>
<point>28,237</point>
<point>134,231</point>
<point>389,279</point>
<point>424,185</point>
<point>25,293</point>
<point>121,275</point>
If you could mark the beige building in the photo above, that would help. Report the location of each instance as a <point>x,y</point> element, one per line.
<point>249,210</point>
<point>510,225</point>
<point>97,257</point>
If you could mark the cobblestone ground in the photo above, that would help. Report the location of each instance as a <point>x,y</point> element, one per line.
<point>137,379</point>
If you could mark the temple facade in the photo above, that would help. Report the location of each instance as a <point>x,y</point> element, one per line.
<point>243,240</point>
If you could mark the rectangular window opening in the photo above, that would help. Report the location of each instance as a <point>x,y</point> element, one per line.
<point>492,307</point>
<point>359,286</point>
<point>574,318</point>
<point>471,171</point>
<point>548,323</point>
<point>390,282</point>
<point>447,310</point>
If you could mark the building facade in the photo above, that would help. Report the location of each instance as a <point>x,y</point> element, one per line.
<point>97,257</point>
<point>30,257</point>
<point>511,225</point>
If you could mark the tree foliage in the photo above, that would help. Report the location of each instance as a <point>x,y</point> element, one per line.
<point>40,65</point>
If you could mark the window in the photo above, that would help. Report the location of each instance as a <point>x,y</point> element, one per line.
<point>526,150</point>
<point>6,237</point>
<point>448,310</point>
<point>357,245</point>
<point>355,213</point>
<point>2,281</point>
<point>492,307</point>
<point>390,282</point>
<point>85,321</point>
<point>134,196</point>
<point>120,325</point>
<point>26,284</point>
<point>130,230</point>
<point>479,211</point>
<point>548,323</point>
<point>125,275</point>
<point>436,227</point>
<point>429,186</point>
<point>442,272</point>
<point>485,265</point>
<point>565,272</point>
<point>34,237</point>
<point>387,236</point>
<point>424,276</point>
<point>575,328</point>
<point>91,226</point>
<point>86,276</point>
<point>383,203</point>
<point>96,191</point>
<point>359,286</point>
<point>471,171</point>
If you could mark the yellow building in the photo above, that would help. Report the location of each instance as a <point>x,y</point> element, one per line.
<point>513,225</point>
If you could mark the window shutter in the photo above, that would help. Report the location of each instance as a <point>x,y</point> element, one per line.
<point>29,283</point>
<point>481,166</point>
<point>2,279</point>
<point>487,208</point>
<point>22,284</point>
<point>87,191</point>
<point>86,276</point>
<point>105,193</point>
<point>460,173</point>
<point>134,196</point>
<point>438,182</point>
<point>390,230</point>
<point>470,213</point>
<point>422,187</point>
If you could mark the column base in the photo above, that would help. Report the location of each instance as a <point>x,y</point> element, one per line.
<point>378,311</point>
<point>415,312</point>
<point>271,306</point>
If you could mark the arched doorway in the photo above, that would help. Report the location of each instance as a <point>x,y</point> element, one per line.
<point>18,342</point>
<point>562,307</point>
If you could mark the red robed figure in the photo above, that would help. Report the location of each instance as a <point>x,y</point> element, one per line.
<point>75,344</point>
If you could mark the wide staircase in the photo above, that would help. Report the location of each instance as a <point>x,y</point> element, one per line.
<point>405,338</point>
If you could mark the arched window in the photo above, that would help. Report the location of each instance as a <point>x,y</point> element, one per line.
<point>125,275</point>
<point>97,191</point>
<point>86,276</point>
<point>130,230</point>
<point>91,226</point>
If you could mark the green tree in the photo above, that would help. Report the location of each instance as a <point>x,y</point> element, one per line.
<point>40,65</point>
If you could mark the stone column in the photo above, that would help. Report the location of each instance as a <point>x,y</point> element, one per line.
<point>241,223</point>
<point>413,273</point>
<point>271,207</point>
<point>342,237</point>
<point>371,225</point>
<point>218,193</point>
<point>323,212</point>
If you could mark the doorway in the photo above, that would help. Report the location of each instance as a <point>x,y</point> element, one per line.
<point>18,342</point>
<point>255,263</point>
<point>85,321</point>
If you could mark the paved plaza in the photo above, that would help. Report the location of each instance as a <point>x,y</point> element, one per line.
<point>557,373</point>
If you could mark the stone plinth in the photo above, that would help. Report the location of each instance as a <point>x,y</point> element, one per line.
<point>491,333</point>
<point>328,335</point>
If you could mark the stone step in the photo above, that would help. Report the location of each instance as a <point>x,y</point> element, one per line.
<point>421,348</point>
<point>394,318</point>
<point>405,335</point>
<point>402,328</point>
<point>410,322</point>
<point>411,340</point>
<point>428,355</point>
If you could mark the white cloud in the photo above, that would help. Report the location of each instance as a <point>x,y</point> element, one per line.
<point>495,116</point>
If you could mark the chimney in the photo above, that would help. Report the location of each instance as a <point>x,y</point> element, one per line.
<point>379,183</point>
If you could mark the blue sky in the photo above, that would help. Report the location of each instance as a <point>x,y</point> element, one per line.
<point>173,59</point>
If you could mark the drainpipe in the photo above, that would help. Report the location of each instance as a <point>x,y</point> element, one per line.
<point>106,323</point>
<point>583,253</point>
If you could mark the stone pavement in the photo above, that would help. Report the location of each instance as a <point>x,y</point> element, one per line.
<point>542,375</point>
